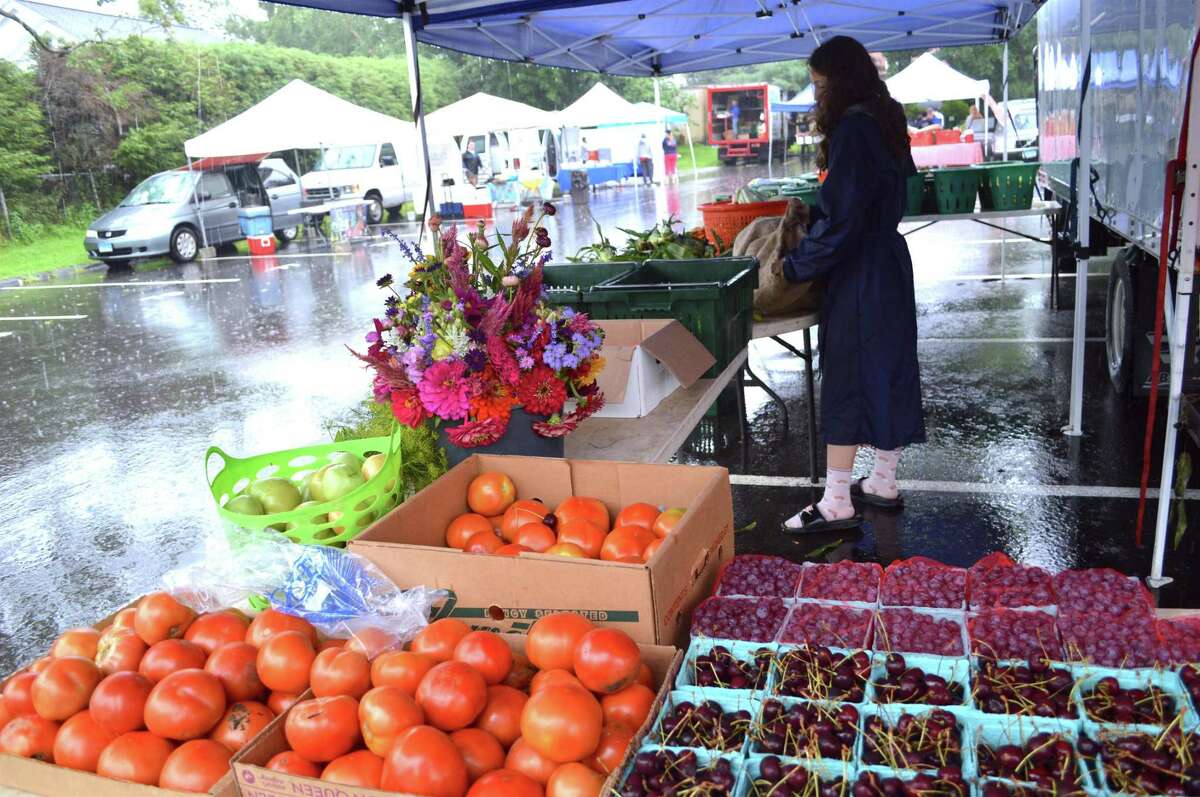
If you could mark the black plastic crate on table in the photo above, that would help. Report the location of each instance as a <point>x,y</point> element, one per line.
<point>713,298</point>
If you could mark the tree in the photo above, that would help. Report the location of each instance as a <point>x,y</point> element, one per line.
<point>22,129</point>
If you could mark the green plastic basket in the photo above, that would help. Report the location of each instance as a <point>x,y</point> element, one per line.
<point>956,189</point>
<point>311,525</point>
<point>807,194</point>
<point>1007,186</point>
<point>566,283</point>
<point>915,194</point>
<point>713,298</point>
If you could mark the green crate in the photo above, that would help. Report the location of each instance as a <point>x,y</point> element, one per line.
<point>565,283</point>
<point>915,195</point>
<point>1007,186</point>
<point>956,189</point>
<point>806,194</point>
<point>713,298</point>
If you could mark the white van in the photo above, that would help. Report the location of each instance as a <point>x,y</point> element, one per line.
<point>500,151</point>
<point>370,171</point>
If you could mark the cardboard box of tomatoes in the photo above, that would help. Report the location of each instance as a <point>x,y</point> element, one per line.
<point>649,597</point>
<point>472,713</point>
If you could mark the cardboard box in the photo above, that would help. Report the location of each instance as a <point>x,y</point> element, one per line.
<point>651,602</point>
<point>647,360</point>
<point>255,780</point>
<point>38,777</point>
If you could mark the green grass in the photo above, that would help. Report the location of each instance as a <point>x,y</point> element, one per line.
<point>706,157</point>
<point>57,247</point>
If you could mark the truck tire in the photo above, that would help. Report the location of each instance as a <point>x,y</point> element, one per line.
<point>1120,321</point>
<point>375,208</point>
<point>185,244</point>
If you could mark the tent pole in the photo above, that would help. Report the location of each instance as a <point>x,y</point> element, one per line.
<point>687,127</point>
<point>418,111</point>
<point>199,207</point>
<point>986,137</point>
<point>657,92</point>
<point>1008,116</point>
<point>1083,206</point>
<point>770,141</point>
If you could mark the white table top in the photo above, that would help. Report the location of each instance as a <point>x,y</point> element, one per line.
<point>326,207</point>
<point>1038,209</point>
<point>770,327</point>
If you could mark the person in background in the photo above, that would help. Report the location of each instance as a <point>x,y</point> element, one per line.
<point>471,164</point>
<point>973,116</point>
<point>935,118</point>
<point>735,113</point>
<point>670,156</point>
<point>871,384</point>
<point>645,160</point>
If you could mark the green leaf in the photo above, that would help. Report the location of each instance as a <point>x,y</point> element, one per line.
<point>751,526</point>
<point>1183,474</point>
<point>824,549</point>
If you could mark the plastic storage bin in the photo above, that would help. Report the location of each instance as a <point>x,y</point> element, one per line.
<point>724,220</point>
<point>1007,186</point>
<point>255,220</point>
<point>566,283</point>
<point>956,189</point>
<point>713,298</point>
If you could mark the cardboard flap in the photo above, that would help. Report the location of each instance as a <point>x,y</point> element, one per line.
<point>680,352</point>
<point>614,379</point>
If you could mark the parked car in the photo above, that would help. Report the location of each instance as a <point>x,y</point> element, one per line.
<point>369,171</point>
<point>162,215</point>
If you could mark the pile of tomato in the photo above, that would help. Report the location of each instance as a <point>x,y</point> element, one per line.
<point>161,696</point>
<point>459,713</point>
<point>500,524</point>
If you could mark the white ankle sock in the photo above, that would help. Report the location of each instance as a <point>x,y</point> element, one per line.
<point>835,504</point>
<point>882,481</point>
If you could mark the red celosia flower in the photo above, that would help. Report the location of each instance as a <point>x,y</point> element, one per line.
<point>407,407</point>
<point>541,392</point>
<point>503,360</point>
<point>477,433</point>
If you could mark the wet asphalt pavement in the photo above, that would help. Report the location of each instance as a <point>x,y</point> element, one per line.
<point>117,383</point>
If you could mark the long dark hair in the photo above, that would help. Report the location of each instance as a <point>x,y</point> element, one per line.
<point>853,79</point>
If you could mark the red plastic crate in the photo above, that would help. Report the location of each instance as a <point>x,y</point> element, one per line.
<point>480,211</point>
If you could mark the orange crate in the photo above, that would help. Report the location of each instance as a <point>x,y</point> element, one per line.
<point>724,220</point>
<point>922,139</point>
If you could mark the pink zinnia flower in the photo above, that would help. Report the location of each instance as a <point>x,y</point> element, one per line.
<point>444,390</point>
<point>477,433</point>
<point>407,407</point>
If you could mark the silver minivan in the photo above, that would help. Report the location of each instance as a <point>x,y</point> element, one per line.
<point>161,216</point>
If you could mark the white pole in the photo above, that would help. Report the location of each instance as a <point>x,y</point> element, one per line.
<point>986,137</point>
<point>687,127</point>
<point>1007,114</point>
<point>657,92</point>
<point>1083,203</point>
<point>770,142</point>
<point>199,205</point>
<point>1178,332</point>
<point>418,109</point>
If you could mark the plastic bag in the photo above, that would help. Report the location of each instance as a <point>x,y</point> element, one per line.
<point>342,594</point>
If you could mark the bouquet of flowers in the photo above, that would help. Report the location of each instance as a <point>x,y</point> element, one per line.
<point>468,338</point>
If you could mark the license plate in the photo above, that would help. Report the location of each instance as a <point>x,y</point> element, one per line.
<point>105,246</point>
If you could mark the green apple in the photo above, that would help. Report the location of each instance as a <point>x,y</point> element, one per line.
<point>246,505</point>
<point>345,458</point>
<point>340,480</point>
<point>275,494</point>
<point>315,519</point>
<point>373,465</point>
<point>316,491</point>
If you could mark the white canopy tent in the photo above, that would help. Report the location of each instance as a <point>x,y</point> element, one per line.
<point>483,111</point>
<point>929,79</point>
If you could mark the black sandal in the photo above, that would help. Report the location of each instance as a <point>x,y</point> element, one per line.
<point>858,494</point>
<point>813,522</point>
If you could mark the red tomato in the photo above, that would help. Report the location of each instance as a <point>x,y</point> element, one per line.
<point>285,660</point>
<point>64,687</point>
<point>211,631</point>
<point>487,653</point>
<point>323,728</point>
<point>185,705</point>
<point>552,640</point>
<point>522,672</point>
<point>195,766</point>
<point>290,762</point>
<point>383,714</point>
<point>518,515</point>
<point>645,677</point>
<point>159,617</point>
<point>491,493</point>
<point>241,723</point>
<point>340,672</point>
<point>642,515</point>
<point>236,667</point>
<point>512,549</point>
<point>80,642</point>
<point>547,678</point>
<point>614,741</point>
<point>401,668</point>
<point>360,768</point>
<point>371,642</point>
<point>591,510</point>
<point>137,757</point>
<point>463,527</point>
<point>119,650</point>
<point>562,723</point>
<point>452,695</point>
<point>568,549</point>
<point>480,751</point>
<point>18,699</point>
<point>651,549</point>
<point>536,537</point>
<point>483,542</point>
<point>40,664</point>
<point>524,759</point>
<point>505,783</point>
<point>125,619</point>
<point>666,522</point>
<point>583,534</point>
<point>331,643</point>
<point>628,707</point>
<point>626,542</point>
<point>282,702</point>
<point>29,736</point>
<point>501,716</point>
<point>119,701</point>
<point>171,655</point>
<point>272,622</point>
<point>425,761</point>
<point>574,780</point>
<point>607,660</point>
<point>4,715</point>
<point>438,639</point>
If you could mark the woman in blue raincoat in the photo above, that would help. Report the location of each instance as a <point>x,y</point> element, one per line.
<point>871,385</point>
